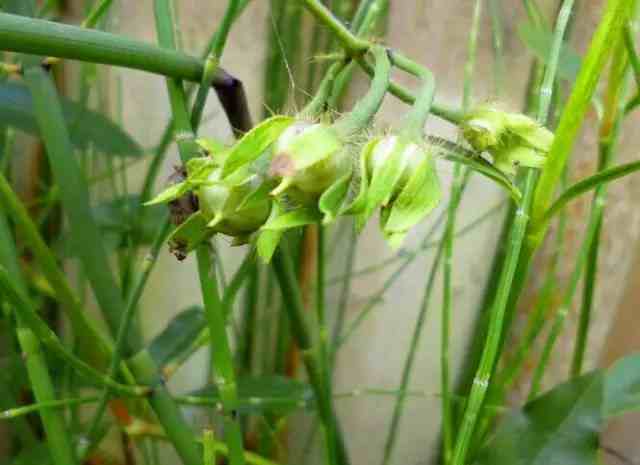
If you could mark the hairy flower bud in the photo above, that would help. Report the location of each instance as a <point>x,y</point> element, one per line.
<point>307,159</point>
<point>401,179</point>
<point>512,139</point>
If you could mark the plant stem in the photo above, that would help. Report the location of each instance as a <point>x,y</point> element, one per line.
<point>615,16</point>
<point>58,438</point>
<point>216,47</point>
<point>125,324</point>
<point>283,268</point>
<point>366,108</point>
<point>460,178</point>
<point>30,319</point>
<point>511,262</point>
<point>408,365</point>
<point>220,349</point>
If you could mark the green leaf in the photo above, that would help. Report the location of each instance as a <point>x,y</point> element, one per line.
<point>190,234</point>
<point>254,143</point>
<point>176,338</point>
<point>420,196</point>
<point>293,219</point>
<point>74,193</point>
<point>622,387</point>
<point>333,198</point>
<point>357,195</point>
<point>263,394</point>
<point>86,128</point>
<point>559,428</point>
<point>171,193</point>
<point>540,40</point>
<point>485,168</point>
<point>384,179</point>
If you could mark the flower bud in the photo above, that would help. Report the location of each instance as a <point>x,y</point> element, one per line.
<point>307,159</point>
<point>512,139</point>
<point>403,183</point>
<point>233,209</point>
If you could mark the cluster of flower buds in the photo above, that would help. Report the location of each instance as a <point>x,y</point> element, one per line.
<point>512,139</point>
<point>289,172</point>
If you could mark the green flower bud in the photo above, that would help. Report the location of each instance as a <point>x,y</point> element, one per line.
<point>233,209</point>
<point>402,181</point>
<point>307,159</point>
<point>512,139</point>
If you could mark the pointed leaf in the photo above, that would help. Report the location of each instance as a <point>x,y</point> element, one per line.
<point>176,338</point>
<point>86,127</point>
<point>293,219</point>
<point>540,41</point>
<point>190,234</point>
<point>171,193</point>
<point>420,196</point>
<point>622,387</point>
<point>559,428</point>
<point>357,195</point>
<point>254,143</point>
<point>333,198</point>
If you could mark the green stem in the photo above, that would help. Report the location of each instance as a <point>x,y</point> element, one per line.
<point>84,329</point>
<point>408,365</point>
<point>512,262</point>
<point>615,16</point>
<point>352,44</point>
<point>30,319</point>
<point>367,107</point>
<point>416,118</point>
<point>216,47</point>
<point>357,47</point>
<point>58,438</point>
<point>460,178</point>
<point>220,349</point>
<point>283,268</point>
<point>39,37</point>
<point>494,334</point>
<point>98,10</point>
<point>125,324</point>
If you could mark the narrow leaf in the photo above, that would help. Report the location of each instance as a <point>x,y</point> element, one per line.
<point>254,143</point>
<point>176,338</point>
<point>87,128</point>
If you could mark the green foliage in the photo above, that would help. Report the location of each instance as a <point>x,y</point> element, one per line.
<point>289,187</point>
<point>88,129</point>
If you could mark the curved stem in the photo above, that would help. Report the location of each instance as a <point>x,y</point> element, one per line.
<point>367,107</point>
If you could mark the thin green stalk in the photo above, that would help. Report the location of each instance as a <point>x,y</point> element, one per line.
<point>18,412</point>
<point>489,354</point>
<point>356,47</point>
<point>323,334</point>
<point>408,365</point>
<point>30,319</point>
<point>125,324</point>
<point>222,358</point>
<point>609,136</point>
<point>84,329</point>
<point>565,306</point>
<point>98,10</point>
<point>39,37</point>
<point>413,125</point>
<point>511,262</point>
<point>497,39</point>
<point>58,437</point>
<point>74,193</point>
<point>460,178</point>
<point>367,107</point>
<point>283,268</point>
<point>614,18</point>
<point>217,45</point>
